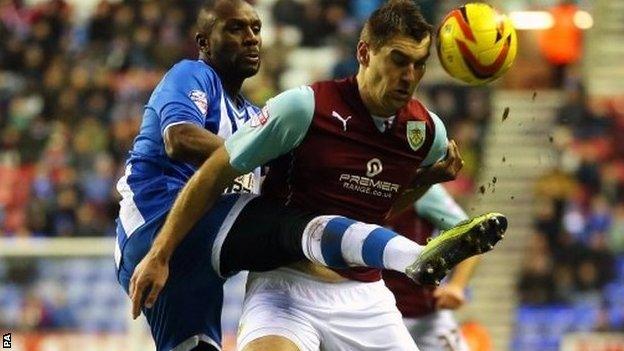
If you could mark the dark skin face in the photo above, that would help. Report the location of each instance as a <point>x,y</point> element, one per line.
<point>232,46</point>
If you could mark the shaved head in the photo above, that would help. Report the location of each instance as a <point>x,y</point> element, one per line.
<point>212,10</point>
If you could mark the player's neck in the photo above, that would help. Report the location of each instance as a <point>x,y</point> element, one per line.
<point>368,100</point>
<point>232,86</point>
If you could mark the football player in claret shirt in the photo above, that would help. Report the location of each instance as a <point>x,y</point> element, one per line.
<point>427,310</point>
<point>341,154</point>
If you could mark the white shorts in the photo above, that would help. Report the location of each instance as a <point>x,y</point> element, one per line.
<point>438,331</point>
<point>315,315</point>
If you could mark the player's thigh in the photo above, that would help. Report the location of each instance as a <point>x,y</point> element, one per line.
<point>196,247</point>
<point>188,310</point>
<point>271,343</point>
<point>378,333</point>
<point>270,316</point>
<point>362,317</point>
<point>438,331</point>
<point>265,235</point>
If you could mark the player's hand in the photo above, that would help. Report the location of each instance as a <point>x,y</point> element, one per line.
<point>149,276</point>
<point>444,170</point>
<point>449,296</point>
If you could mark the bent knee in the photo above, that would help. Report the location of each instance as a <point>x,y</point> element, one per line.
<point>271,343</point>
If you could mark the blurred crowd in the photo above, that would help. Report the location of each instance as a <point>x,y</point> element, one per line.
<point>576,256</point>
<point>71,100</point>
<point>72,93</point>
<point>71,97</point>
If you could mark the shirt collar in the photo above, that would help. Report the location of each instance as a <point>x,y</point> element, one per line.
<point>383,123</point>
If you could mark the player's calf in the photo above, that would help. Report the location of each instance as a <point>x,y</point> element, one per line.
<point>340,242</point>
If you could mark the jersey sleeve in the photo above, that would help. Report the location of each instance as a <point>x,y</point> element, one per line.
<point>440,142</point>
<point>184,96</point>
<point>439,208</point>
<point>279,128</point>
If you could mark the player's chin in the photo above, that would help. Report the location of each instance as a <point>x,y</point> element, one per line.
<point>398,100</point>
<point>249,69</point>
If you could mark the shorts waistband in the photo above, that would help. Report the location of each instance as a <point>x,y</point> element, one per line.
<point>295,277</point>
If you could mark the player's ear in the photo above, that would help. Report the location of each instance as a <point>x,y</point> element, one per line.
<point>363,53</point>
<point>202,42</point>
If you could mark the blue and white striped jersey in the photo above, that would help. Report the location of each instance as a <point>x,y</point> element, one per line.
<point>191,92</point>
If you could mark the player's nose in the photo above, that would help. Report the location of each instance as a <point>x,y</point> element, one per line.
<point>406,80</point>
<point>250,38</point>
<point>409,75</point>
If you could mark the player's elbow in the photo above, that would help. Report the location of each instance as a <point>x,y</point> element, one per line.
<point>174,142</point>
<point>297,107</point>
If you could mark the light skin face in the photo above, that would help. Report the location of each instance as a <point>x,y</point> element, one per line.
<point>389,75</point>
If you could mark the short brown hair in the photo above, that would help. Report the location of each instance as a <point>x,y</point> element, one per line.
<point>395,17</point>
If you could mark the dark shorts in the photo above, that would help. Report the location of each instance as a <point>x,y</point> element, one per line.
<point>241,232</point>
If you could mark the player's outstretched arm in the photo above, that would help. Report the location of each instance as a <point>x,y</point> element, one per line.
<point>197,196</point>
<point>452,294</point>
<point>439,208</point>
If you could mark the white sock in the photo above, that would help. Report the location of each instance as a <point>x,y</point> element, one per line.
<point>339,242</point>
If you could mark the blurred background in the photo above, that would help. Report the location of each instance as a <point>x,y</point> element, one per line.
<point>541,145</point>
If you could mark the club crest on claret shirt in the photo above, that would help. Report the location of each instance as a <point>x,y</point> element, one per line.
<point>416,134</point>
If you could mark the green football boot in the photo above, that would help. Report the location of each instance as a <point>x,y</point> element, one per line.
<point>469,238</point>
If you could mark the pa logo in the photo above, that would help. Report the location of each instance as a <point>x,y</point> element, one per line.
<point>6,341</point>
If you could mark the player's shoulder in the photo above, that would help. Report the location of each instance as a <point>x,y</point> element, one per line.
<point>192,69</point>
<point>415,109</point>
<point>191,66</point>
<point>331,85</point>
<point>326,83</point>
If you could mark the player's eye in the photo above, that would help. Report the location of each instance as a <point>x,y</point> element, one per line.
<point>256,29</point>
<point>399,60</point>
<point>235,27</point>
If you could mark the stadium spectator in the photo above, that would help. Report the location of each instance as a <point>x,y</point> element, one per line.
<point>72,93</point>
<point>581,218</point>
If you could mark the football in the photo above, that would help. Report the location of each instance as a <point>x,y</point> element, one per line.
<point>476,44</point>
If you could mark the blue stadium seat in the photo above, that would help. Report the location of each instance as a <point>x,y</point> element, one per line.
<point>585,317</point>
<point>619,268</point>
<point>79,292</point>
<point>11,297</point>
<point>614,297</point>
<point>541,327</point>
<point>614,293</point>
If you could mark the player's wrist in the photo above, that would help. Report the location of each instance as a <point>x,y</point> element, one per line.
<point>161,255</point>
<point>459,286</point>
